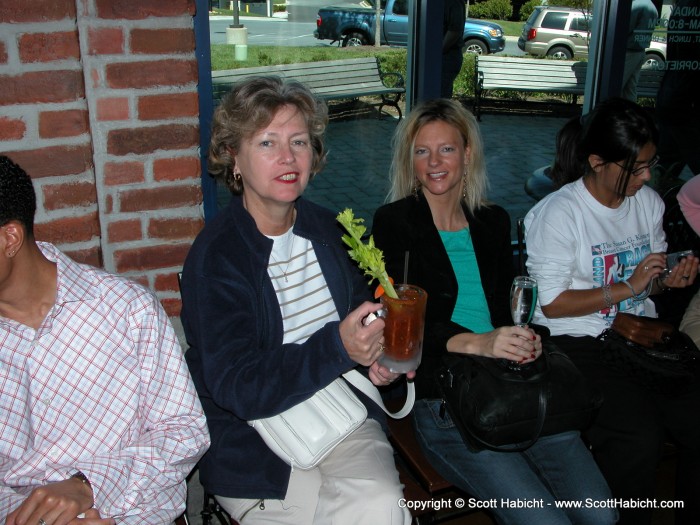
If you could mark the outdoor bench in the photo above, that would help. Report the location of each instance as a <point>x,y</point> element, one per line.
<point>539,75</point>
<point>333,79</point>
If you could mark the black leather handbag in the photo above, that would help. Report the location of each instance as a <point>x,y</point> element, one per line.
<point>500,408</point>
<point>653,353</point>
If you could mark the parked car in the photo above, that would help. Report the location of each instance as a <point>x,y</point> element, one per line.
<point>354,25</point>
<point>564,32</point>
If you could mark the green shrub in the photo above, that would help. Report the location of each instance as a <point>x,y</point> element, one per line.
<point>464,83</point>
<point>527,8</point>
<point>492,9</point>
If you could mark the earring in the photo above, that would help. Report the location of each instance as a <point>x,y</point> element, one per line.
<point>464,184</point>
<point>11,254</point>
<point>236,176</point>
<point>416,187</point>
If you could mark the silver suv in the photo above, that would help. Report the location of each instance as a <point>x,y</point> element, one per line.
<point>563,32</point>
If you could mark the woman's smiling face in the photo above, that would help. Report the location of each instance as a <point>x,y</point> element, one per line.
<point>275,162</point>
<point>440,158</point>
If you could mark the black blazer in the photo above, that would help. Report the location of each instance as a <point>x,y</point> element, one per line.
<point>407,226</point>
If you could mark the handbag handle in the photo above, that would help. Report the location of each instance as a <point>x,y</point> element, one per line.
<point>365,386</point>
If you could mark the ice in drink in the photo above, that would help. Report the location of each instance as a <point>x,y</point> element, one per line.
<point>403,331</point>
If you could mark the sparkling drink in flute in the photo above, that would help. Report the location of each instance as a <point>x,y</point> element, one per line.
<point>523,298</point>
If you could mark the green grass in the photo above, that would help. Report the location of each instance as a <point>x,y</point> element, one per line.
<point>509,28</point>
<point>390,59</point>
<point>222,56</point>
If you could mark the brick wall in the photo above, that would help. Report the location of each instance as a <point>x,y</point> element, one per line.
<point>98,103</point>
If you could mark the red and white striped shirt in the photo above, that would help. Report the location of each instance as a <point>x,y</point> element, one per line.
<point>100,387</point>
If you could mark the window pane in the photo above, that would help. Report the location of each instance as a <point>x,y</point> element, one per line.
<point>555,20</point>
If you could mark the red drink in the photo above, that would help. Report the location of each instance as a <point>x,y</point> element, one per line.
<point>403,332</point>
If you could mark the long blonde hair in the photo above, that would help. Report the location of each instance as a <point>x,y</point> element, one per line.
<point>403,178</point>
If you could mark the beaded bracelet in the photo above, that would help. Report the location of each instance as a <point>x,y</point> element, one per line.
<point>641,296</point>
<point>607,296</point>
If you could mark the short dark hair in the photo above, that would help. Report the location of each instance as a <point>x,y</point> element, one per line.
<point>17,196</point>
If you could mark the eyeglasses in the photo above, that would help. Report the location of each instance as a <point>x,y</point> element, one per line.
<point>638,171</point>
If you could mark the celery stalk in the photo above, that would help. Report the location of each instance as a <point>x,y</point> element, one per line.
<point>368,257</point>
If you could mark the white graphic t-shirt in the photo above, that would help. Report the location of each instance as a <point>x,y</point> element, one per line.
<point>574,242</point>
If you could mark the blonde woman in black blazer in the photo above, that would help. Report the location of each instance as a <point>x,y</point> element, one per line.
<point>459,251</point>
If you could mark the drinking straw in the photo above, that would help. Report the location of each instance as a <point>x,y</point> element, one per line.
<point>405,268</point>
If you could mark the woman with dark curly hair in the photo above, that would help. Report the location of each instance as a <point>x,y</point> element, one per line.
<point>273,310</point>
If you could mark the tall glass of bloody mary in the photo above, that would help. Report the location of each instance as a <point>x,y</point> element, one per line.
<point>403,332</point>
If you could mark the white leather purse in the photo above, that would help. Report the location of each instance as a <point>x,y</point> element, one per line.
<point>305,434</point>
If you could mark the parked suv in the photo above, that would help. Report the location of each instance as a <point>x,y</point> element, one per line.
<point>564,32</point>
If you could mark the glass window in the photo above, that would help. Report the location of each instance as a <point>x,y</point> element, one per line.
<point>580,23</point>
<point>555,20</point>
<point>400,7</point>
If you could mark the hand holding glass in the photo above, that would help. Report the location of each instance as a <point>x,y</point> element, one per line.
<point>403,331</point>
<point>523,298</point>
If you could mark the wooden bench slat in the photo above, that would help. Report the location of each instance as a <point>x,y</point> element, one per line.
<point>332,79</point>
<point>543,76</point>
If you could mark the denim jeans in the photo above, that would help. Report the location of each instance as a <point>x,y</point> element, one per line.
<point>518,487</point>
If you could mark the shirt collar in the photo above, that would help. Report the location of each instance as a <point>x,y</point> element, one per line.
<point>75,282</point>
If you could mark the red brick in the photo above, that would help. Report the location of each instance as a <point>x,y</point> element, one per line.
<point>68,123</point>
<point>151,257</point>
<point>160,198</point>
<point>180,168</point>
<point>162,41</point>
<point>69,229</point>
<point>140,9</point>
<point>41,86</point>
<point>11,128</point>
<point>147,140</point>
<point>115,108</point>
<point>123,231</point>
<point>91,256</point>
<point>48,47</point>
<point>3,53</point>
<point>140,75</point>
<point>69,195</point>
<point>141,279</point>
<point>172,307</point>
<point>105,41</point>
<point>167,282</point>
<point>171,106</point>
<point>174,228</point>
<point>19,11</point>
<point>54,160</point>
<point>118,173</point>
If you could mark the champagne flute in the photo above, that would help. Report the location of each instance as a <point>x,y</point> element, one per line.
<point>523,298</point>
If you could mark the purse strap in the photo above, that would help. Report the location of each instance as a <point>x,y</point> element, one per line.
<point>365,386</point>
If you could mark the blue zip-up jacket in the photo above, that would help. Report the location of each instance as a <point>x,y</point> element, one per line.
<point>233,326</point>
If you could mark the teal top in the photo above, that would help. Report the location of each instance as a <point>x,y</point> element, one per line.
<point>471,310</point>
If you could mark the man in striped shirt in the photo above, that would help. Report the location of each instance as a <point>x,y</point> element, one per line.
<point>99,420</point>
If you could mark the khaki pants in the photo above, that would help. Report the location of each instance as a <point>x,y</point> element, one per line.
<point>357,484</point>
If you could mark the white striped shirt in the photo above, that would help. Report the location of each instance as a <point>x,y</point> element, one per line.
<point>302,291</point>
